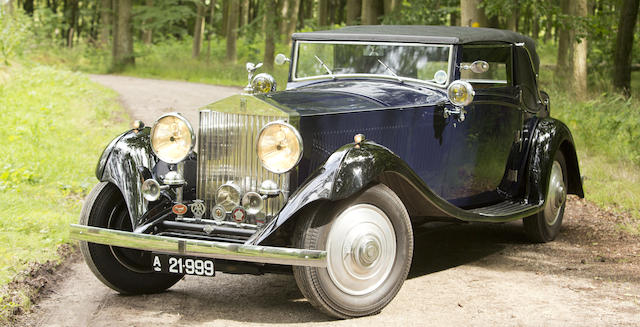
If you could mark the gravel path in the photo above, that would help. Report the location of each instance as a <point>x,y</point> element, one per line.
<point>462,274</point>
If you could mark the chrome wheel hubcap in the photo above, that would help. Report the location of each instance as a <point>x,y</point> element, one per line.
<point>556,195</point>
<point>361,249</point>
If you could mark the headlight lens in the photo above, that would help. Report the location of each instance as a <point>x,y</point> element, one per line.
<point>228,196</point>
<point>460,93</point>
<point>279,147</point>
<point>172,138</point>
<point>263,83</point>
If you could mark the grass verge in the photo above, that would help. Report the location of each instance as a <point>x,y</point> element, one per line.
<point>55,125</point>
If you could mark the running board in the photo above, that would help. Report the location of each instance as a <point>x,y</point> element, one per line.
<point>507,208</point>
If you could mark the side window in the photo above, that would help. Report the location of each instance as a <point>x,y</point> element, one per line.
<point>499,72</point>
<point>526,79</point>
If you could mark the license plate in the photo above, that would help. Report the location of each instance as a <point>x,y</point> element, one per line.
<point>170,264</point>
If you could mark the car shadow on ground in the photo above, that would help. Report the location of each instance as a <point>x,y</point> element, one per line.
<point>441,246</point>
<point>275,299</point>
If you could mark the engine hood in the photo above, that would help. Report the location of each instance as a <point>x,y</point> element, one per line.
<point>352,95</point>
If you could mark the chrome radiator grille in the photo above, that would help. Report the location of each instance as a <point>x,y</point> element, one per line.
<point>227,152</point>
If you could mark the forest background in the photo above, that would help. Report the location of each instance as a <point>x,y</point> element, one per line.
<point>55,122</point>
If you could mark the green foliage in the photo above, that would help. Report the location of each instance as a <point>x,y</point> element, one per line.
<point>429,12</point>
<point>55,124</point>
<point>167,18</point>
<point>14,34</point>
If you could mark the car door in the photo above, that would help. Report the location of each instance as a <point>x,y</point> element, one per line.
<point>478,169</point>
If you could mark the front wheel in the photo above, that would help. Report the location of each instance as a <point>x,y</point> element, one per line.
<point>545,225</point>
<point>369,244</point>
<point>127,271</point>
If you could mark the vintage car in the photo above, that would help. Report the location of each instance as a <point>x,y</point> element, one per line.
<point>380,128</point>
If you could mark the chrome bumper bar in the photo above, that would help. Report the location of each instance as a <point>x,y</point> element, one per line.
<point>199,248</point>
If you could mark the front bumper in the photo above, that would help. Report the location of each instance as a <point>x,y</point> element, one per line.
<point>199,248</point>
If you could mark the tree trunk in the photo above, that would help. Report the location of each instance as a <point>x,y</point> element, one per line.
<point>122,36</point>
<point>390,6</point>
<point>471,14</point>
<point>105,22</point>
<point>244,17</point>
<point>294,7</point>
<point>624,46</point>
<point>322,12</point>
<point>147,33</point>
<point>225,17</point>
<point>371,10</point>
<point>283,21</point>
<point>212,8</point>
<point>28,7</point>
<point>269,37</point>
<point>354,8</point>
<point>198,29</point>
<point>578,51</point>
<point>562,64</point>
<point>73,20</point>
<point>9,7</point>
<point>232,29</point>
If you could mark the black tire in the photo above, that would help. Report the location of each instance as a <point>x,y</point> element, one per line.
<point>313,231</point>
<point>126,271</point>
<point>544,227</point>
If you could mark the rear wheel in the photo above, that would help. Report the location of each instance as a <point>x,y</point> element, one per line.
<point>545,225</point>
<point>369,244</point>
<point>124,270</point>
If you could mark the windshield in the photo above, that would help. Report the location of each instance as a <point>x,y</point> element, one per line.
<point>419,62</point>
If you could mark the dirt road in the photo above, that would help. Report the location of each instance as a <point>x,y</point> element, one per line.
<point>462,274</point>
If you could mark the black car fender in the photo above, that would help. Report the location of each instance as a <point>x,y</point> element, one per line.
<point>350,169</point>
<point>126,162</point>
<point>551,135</point>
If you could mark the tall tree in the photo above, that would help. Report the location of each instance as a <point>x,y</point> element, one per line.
<point>73,21</point>
<point>323,12</point>
<point>292,22</point>
<point>624,46</point>
<point>564,36</point>
<point>147,32</point>
<point>371,11</point>
<point>354,9</point>
<point>232,29</point>
<point>390,6</point>
<point>212,8</point>
<point>578,51</point>
<point>269,37</point>
<point>122,54</point>
<point>198,29</point>
<point>105,21</point>
<point>471,14</point>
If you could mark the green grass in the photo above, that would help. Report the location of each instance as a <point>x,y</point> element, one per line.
<point>55,125</point>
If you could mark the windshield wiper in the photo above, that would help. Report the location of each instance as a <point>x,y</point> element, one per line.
<point>390,70</point>
<point>325,66</point>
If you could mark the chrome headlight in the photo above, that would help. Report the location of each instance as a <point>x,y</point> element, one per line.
<point>460,93</point>
<point>263,83</point>
<point>279,147</point>
<point>172,138</point>
<point>228,196</point>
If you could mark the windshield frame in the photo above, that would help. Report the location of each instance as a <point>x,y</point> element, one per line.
<point>450,63</point>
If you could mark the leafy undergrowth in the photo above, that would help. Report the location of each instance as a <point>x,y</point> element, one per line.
<point>55,125</point>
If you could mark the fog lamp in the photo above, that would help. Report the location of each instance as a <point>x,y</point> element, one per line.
<point>460,93</point>
<point>151,190</point>
<point>253,202</point>
<point>228,196</point>
<point>279,147</point>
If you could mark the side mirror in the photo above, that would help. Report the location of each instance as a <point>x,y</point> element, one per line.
<point>281,59</point>
<point>478,67</point>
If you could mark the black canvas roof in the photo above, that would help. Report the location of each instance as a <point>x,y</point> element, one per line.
<point>421,34</point>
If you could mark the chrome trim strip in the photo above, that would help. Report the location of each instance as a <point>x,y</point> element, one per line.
<point>199,248</point>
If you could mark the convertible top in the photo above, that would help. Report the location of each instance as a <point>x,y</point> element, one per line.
<point>422,34</point>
